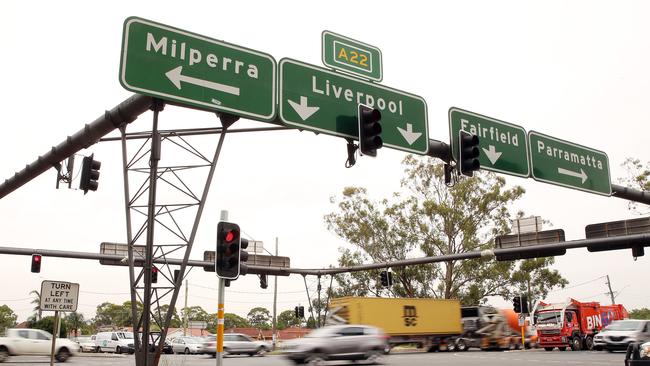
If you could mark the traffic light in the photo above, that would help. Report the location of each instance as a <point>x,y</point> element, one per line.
<point>468,153</point>
<point>524,305</point>
<point>230,251</point>
<point>369,130</point>
<point>516,304</point>
<point>89,174</point>
<point>36,263</point>
<point>386,278</point>
<point>301,312</point>
<point>154,275</point>
<point>264,281</point>
<point>296,313</point>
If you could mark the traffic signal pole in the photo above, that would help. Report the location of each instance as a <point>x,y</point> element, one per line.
<point>221,308</point>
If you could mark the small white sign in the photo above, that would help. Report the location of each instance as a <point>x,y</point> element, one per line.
<point>59,296</point>
<point>522,321</point>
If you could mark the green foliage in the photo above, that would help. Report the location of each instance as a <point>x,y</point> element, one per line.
<point>287,319</point>
<point>260,318</point>
<point>109,314</point>
<point>234,321</point>
<point>36,301</point>
<point>431,219</point>
<point>74,321</point>
<point>7,318</point>
<point>638,177</point>
<point>47,324</point>
<point>643,313</point>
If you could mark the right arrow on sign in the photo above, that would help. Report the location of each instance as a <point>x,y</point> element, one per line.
<point>303,110</point>
<point>492,154</point>
<point>408,134</point>
<point>582,175</point>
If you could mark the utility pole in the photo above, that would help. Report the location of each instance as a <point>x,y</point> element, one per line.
<point>275,301</point>
<point>611,294</point>
<point>185,312</point>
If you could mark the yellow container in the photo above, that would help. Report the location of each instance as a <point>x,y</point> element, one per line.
<point>399,316</point>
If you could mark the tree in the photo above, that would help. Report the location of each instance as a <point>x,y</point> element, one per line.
<point>109,314</point>
<point>643,313</point>
<point>638,176</point>
<point>260,318</point>
<point>48,323</point>
<point>287,319</point>
<point>75,321</point>
<point>234,321</point>
<point>160,314</point>
<point>7,318</point>
<point>37,305</point>
<point>429,218</point>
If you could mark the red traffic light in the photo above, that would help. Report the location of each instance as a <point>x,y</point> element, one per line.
<point>37,258</point>
<point>36,263</point>
<point>230,236</point>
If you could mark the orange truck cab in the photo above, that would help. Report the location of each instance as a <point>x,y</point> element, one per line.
<point>573,323</point>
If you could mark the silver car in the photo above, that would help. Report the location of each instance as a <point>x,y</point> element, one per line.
<point>236,344</point>
<point>187,345</point>
<point>338,342</point>
<point>619,334</point>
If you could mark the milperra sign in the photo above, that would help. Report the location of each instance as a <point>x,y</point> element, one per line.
<point>192,69</point>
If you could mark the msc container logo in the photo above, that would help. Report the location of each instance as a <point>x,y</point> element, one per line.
<point>410,316</point>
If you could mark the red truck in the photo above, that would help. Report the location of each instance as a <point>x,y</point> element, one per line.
<point>573,323</point>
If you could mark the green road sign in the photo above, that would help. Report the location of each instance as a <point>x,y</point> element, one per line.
<point>502,144</point>
<point>346,54</point>
<point>318,99</point>
<point>191,69</point>
<point>567,164</point>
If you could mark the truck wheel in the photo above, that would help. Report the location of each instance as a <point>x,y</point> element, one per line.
<point>98,349</point>
<point>62,355</point>
<point>461,345</point>
<point>576,344</point>
<point>4,354</point>
<point>562,348</point>
<point>589,343</point>
<point>451,347</point>
<point>548,349</point>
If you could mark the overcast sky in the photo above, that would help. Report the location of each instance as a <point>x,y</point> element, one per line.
<point>574,70</point>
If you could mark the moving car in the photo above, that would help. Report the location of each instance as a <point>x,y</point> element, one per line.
<point>638,354</point>
<point>187,345</point>
<point>236,344</point>
<point>35,342</point>
<point>619,334</point>
<point>338,342</point>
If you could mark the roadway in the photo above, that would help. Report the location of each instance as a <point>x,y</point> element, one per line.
<point>470,358</point>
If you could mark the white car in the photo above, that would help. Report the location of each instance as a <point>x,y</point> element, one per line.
<point>86,343</point>
<point>187,345</point>
<point>35,342</point>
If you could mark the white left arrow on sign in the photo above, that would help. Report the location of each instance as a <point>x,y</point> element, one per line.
<point>175,76</point>
<point>408,134</point>
<point>302,108</point>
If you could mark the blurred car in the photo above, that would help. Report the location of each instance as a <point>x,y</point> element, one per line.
<point>154,337</point>
<point>236,344</point>
<point>338,342</point>
<point>638,354</point>
<point>621,333</point>
<point>86,344</point>
<point>187,345</point>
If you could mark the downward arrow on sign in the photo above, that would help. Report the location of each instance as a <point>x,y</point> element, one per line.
<point>303,110</point>
<point>492,154</point>
<point>408,134</point>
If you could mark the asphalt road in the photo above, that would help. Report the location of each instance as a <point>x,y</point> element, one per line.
<point>471,358</point>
